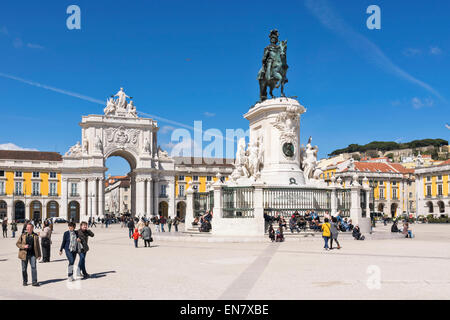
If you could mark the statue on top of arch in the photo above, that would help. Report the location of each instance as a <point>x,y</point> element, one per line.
<point>120,107</point>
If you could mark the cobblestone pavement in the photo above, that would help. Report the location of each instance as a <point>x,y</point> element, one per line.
<point>415,268</point>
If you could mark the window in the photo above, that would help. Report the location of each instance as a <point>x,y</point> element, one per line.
<point>18,174</point>
<point>428,178</point>
<point>53,175</point>
<point>181,191</point>
<point>394,193</point>
<point>52,188</point>
<point>18,188</point>
<point>410,194</point>
<point>439,178</point>
<point>195,178</point>
<point>125,198</point>
<point>73,189</point>
<point>35,174</point>
<point>381,193</point>
<point>36,188</point>
<point>181,178</point>
<point>2,173</point>
<point>2,187</point>
<point>428,191</point>
<point>222,179</point>
<point>439,189</point>
<point>394,183</point>
<point>209,178</point>
<point>163,189</point>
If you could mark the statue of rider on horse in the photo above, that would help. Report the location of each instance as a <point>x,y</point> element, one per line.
<point>274,67</point>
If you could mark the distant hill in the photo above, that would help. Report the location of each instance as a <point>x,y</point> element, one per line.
<point>390,145</point>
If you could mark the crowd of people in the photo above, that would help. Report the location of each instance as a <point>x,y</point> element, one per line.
<point>203,222</point>
<point>330,227</point>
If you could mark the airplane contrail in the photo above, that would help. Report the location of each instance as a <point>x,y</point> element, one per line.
<point>94,100</point>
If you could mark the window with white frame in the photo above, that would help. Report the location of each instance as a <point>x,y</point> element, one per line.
<point>428,178</point>
<point>195,178</point>
<point>36,188</point>
<point>439,177</point>
<point>209,178</point>
<point>53,175</point>
<point>181,178</point>
<point>18,174</point>
<point>440,190</point>
<point>394,193</point>
<point>381,191</point>
<point>163,189</point>
<point>35,174</point>
<point>428,191</point>
<point>2,187</point>
<point>181,191</point>
<point>18,187</point>
<point>52,189</point>
<point>2,173</point>
<point>73,189</point>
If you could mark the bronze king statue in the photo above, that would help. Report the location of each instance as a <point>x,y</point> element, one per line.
<point>274,67</point>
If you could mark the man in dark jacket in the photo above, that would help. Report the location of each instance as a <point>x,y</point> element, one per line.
<point>29,251</point>
<point>70,246</point>
<point>130,226</point>
<point>83,235</point>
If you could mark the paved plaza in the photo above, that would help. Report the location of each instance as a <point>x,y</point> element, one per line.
<point>296,269</point>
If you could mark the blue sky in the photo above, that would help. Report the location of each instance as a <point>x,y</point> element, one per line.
<point>198,60</point>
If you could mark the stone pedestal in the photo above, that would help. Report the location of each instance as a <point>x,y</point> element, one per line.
<point>275,125</point>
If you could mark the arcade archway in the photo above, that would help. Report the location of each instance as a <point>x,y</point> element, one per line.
<point>35,210</point>
<point>163,209</point>
<point>19,210</point>
<point>52,209</point>
<point>3,209</point>
<point>73,213</point>
<point>181,210</point>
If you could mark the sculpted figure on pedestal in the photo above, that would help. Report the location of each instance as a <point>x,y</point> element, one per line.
<point>122,99</point>
<point>274,67</point>
<point>248,162</point>
<point>75,150</point>
<point>309,160</point>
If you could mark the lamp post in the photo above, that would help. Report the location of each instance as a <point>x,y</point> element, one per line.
<point>91,195</point>
<point>372,186</point>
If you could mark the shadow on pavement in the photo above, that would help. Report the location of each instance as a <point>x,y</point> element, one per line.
<point>2,260</point>
<point>100,274</point>
<point>43,283</point>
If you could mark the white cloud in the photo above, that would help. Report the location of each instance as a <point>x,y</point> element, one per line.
<point>329,18</point>
<point>411,52</point>
<point>17,43</point>
<point>12,146</point>
<point>209,114</point>
<point>435,51</point>
<point>34,46</point>
<point>166,129</point>
<point>418,103</point>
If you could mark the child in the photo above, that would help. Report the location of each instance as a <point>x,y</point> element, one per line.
<point>136,236</point>
<point>271,233</point>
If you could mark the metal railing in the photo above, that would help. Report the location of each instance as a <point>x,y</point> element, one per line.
<point>203,202</point>
<point>343,201</point>
<point>286,201</point>
<point>238,202</point>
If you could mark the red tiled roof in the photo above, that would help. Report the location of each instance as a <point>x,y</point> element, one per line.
<point>29,155</point>
<point>380,167</point>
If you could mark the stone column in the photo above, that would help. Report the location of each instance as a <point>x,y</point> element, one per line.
<point>258,203</point>
<point>27,209</point>
<point>355,208</point>
<point>149,209</point>
<point>10,209</point>
<point>95,199</point>
<point>101,198</point>
<point>64,198</point>
<point>44,211</point>
<point>189,218</point>
<point>140,196</point>
<point>334,210</point>
<point>83,197</point>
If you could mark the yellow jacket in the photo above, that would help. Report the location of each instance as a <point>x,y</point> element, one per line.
<point>326,229</point>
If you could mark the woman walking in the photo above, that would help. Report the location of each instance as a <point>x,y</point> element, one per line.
<point>326,233</point>
<point>46,242</point>
<point>334,233</point>
<point>83,236</point>
<point>14,228</point>
<point>70,246</point>
<point>147,235</point>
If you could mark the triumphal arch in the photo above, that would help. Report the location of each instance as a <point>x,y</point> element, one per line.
<point>118,132</point>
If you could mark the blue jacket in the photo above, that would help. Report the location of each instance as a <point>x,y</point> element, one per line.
<point>66,241</point>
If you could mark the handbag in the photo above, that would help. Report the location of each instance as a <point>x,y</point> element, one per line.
<point>151,239</point>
